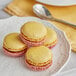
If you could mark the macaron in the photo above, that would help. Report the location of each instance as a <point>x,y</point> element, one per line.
<point>33,33</point>
<point>51,38</point>
<point>13,45</point>
<point>38,58</point>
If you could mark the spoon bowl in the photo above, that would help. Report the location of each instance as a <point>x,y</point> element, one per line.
<point>42,12</point>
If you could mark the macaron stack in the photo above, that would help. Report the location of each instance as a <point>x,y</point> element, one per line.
<point>34,40</point>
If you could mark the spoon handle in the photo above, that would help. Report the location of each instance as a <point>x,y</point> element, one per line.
<point>64,22</point>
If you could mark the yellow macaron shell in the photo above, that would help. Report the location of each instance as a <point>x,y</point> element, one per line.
<point>51,37</point>
<point>34,31</point>
<point>40,54</point>
<point>13,43</point>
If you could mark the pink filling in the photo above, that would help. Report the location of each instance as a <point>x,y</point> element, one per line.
<point>50,47</point>
<point>36,68</point>
<point>13,54</point>
<point>29,43</point>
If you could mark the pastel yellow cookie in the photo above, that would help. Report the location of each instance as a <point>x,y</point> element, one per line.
<point>33,31</point>
<point>51,37</point>
<point>39,56</point>
<point>13,43</point>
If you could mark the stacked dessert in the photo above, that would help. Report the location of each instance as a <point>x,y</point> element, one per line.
<point>35,41</point>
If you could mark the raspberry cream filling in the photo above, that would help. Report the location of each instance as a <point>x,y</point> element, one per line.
<point>40,64</point>
<point>14,51</point>
<point>32,40</point>
<point>51,44</point>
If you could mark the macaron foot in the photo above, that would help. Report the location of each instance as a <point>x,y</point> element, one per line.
<point>29,43</point>
<point>14,54</point>
<point>37,68</point>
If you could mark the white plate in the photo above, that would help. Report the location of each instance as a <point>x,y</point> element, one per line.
<point>58,2</point>
<point>71,72</point>
<point>10,66</point>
